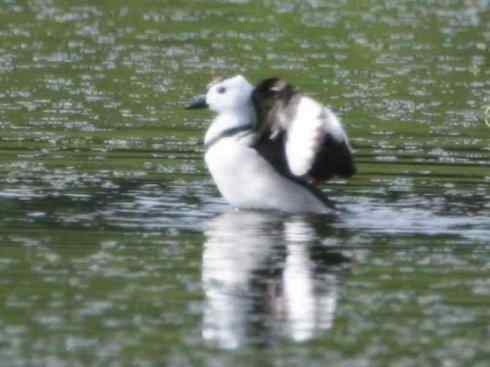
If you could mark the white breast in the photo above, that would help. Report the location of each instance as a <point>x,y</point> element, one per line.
<point>247,180</point>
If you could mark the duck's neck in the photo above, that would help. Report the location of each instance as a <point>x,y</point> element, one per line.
<point>229,121</point>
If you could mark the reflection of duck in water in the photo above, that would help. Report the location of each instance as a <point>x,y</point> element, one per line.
<point>269,144</point>
<point>262,280</point>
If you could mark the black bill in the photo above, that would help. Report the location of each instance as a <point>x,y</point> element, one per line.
<point>197,102</point>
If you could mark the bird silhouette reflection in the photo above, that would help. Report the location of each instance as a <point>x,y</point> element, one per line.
<point>268,277</point>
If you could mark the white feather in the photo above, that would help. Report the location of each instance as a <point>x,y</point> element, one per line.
<point>307,132</point>
<point>247,180</point>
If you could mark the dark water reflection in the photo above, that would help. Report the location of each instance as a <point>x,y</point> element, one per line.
<point>269,277</point>
<point>116,249</point>
<point>265,277</point>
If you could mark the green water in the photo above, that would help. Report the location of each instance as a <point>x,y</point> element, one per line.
<point>117,250</point>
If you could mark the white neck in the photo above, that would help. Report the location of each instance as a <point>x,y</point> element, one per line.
<point>229,120</point>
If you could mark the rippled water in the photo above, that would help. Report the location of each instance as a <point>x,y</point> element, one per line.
<point>117,249</point>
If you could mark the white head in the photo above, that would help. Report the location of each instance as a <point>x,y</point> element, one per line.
<point>229,95</point>
<point>232,100</point>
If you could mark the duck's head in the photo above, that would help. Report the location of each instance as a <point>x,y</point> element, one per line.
<point>225,95</point>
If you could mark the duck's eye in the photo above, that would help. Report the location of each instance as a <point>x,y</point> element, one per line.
<point>221,90</point>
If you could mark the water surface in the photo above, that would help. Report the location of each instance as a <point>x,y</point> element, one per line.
<point>117,250</point>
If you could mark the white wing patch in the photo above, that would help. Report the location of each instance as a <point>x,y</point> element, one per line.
<point>307,132</point>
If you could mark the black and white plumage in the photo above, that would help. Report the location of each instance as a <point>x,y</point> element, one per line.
<point>309,137</point>
<point>268,144</point>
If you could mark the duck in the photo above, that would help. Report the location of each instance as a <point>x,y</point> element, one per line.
<point>270,146</point>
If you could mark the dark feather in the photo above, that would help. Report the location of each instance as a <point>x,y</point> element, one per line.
<point>333,159</point>
<point>276,103</point>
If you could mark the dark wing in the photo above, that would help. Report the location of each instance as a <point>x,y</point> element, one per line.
<point>316,143</point>
<point>299,136</point>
